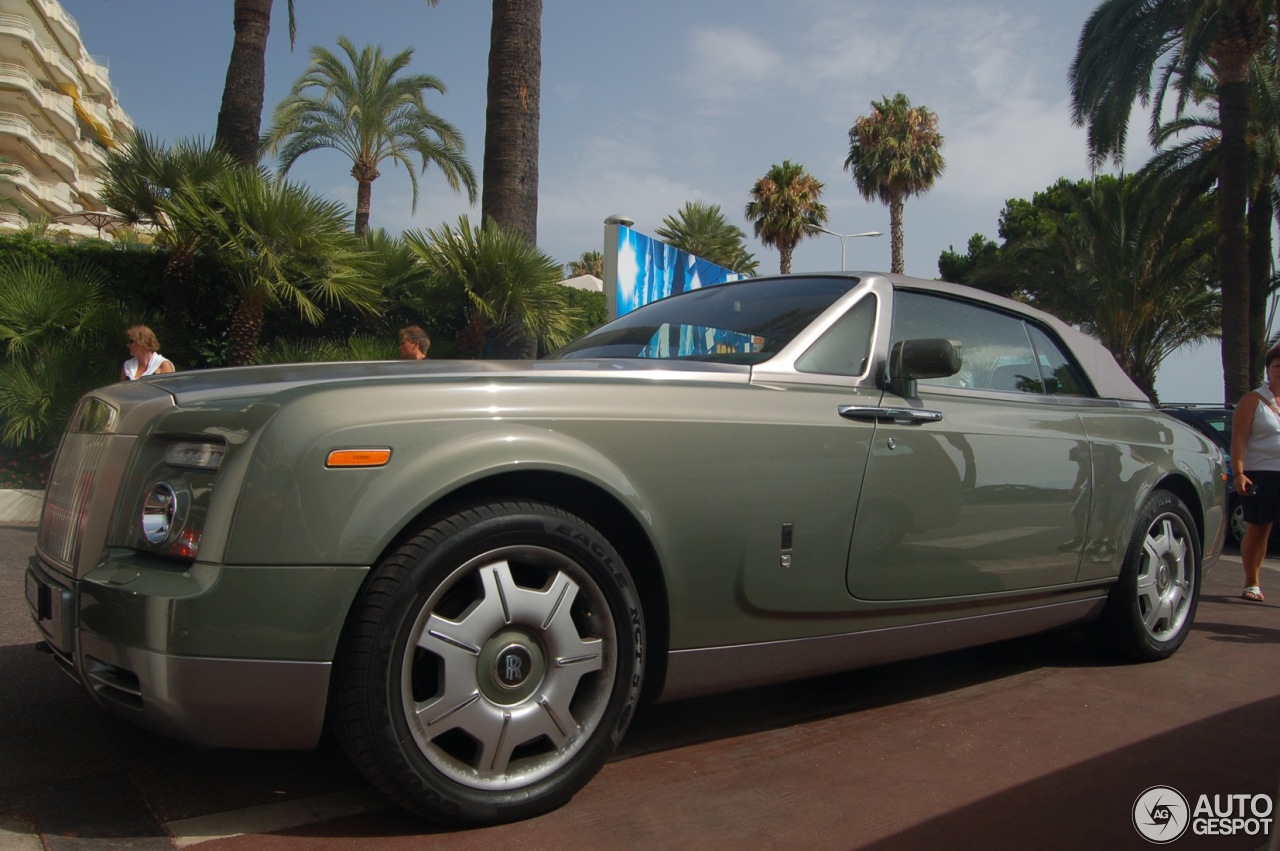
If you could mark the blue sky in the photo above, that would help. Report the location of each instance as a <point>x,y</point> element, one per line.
<point>647,106</point>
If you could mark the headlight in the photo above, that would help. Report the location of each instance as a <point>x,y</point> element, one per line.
<point>171,522</point>
<point>159,513</point>
<point>200,454</point>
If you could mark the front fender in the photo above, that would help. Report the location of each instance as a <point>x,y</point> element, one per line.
<point>295,510</point>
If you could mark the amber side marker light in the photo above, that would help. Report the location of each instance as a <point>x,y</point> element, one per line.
<point>358,458</point>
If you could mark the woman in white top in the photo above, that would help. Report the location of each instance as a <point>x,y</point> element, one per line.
<point>146,358</point>
<point>1255,470</point>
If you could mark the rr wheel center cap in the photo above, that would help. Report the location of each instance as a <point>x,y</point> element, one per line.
<point>511,667</point>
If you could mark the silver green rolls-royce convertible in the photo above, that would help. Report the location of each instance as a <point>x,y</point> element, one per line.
<point>477,572</point>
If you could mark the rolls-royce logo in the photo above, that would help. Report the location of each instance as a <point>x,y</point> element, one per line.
<point>513,665</point>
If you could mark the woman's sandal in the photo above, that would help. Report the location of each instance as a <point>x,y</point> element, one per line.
<point>1253,593</point>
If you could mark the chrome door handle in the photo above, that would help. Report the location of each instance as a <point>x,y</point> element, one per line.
<point>901,416</point>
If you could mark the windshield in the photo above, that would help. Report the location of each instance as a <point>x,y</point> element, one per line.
<point>738,322</point>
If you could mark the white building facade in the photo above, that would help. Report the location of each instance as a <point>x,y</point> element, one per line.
<point>58,119</point>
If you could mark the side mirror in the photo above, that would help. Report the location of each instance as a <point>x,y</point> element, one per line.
<point>926,358</point>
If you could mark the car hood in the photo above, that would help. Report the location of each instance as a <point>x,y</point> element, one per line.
<point>197,386</point>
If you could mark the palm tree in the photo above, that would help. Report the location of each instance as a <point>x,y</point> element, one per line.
<point>283,246</point>
<point>357,347</point>
<point>59,338</point>
<point>895,153</point>
<point>1131,261</point>
<point>240,116</point>
<point>701,229</point>
<point>1194,162</point>
<point>785,207</point>
<point>507,289</point>
<point>511,117</point>
<point>366,109</point>
<point>140,176</point>
<point>588,263</point>
<point>1120,48</point>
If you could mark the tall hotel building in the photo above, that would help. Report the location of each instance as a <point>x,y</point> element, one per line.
<point>58,118</point>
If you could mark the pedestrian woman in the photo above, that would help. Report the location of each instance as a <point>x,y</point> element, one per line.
<point>1255,470</point>
<point>145,358</point>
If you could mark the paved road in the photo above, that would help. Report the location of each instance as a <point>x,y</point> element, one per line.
<point>1037,743</point>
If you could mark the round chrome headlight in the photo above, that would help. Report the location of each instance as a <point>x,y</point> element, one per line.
<point>159,512</point>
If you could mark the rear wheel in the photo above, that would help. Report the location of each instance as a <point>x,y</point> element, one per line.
<point>1151,606</point>
<point>492,665</point>
<point>1237,526</point>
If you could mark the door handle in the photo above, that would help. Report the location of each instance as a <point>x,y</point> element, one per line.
<point>900,416</point>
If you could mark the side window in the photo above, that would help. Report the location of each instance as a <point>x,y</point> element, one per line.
<point>846,347</point>
<point>997,352</point>
<point>1062,375</point>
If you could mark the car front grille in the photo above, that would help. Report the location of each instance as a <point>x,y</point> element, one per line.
<point>69,495</point>
<point>75,484</point>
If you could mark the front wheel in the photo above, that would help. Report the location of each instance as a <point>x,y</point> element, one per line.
<point>1151,606</point>
<point>492,664</point>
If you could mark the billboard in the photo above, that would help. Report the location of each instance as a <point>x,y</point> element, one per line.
<point>639,269</point>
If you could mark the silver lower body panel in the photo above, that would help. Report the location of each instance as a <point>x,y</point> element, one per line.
<point>691,673</point>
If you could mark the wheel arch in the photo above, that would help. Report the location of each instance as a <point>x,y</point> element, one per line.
<point>593,504</point>
<point>1182,488</point>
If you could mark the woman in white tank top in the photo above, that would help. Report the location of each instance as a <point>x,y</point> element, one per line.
<point>146,358</point>
<point>1255,470</point>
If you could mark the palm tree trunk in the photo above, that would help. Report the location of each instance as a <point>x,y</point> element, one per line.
<point>1259,234</point>
<point>179,278</point>
<point>510,180</point>
<point>895,234</point>
<point>364,195</point>
<point>470,342</point>
<point>1233,188</point>
<point>784,258</point>
<point>246,328</point>
<point>240,118</point>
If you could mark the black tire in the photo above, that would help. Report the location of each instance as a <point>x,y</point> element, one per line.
<point>1236,524</point>
<point>1151,606</point>
<point>491,665</point>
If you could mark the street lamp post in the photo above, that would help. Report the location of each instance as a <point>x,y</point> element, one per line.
<point>844,236</point>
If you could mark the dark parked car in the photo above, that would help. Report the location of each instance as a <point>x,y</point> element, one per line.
<point>477,572</point>
<point>1214,421</point>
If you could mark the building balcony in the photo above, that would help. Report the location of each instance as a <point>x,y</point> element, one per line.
<point>60,157</point>
<point>21,43</point>
<point>94,71</point>
<point>52,153</point>
<point>51,199</point>
<point>58,108</point>
<point>92,153</point>
<point>59,18</point>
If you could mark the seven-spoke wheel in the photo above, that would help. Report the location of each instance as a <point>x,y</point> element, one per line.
<point>1153,602</point>
<point>492,665</point>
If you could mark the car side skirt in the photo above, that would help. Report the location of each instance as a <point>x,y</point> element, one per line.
<point>692,673</point>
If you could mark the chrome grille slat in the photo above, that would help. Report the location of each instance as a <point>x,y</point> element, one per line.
<point>67,499</point>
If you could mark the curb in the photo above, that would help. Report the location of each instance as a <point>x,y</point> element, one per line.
<point>20,506</point>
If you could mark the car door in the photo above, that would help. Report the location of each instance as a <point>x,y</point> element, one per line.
<point>987,488</point>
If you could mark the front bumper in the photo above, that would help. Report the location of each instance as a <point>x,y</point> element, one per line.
<point>206,700</point>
